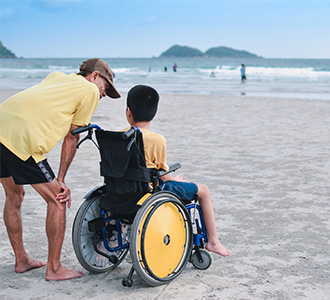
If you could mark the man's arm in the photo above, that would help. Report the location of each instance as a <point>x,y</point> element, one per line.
<point>67,154</point>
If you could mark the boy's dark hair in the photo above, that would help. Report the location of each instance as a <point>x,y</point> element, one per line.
<point>143,100</point>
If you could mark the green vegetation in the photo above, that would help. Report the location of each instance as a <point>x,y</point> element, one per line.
<point>184,51</point>
<point>228,52</point>
<point>5,53</point>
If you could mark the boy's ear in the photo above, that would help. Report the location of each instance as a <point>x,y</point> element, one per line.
<point>128,112</point>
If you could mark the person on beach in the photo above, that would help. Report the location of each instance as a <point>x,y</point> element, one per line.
<point>142,103</point>
<point>32,122</point>
<point>243,77</point>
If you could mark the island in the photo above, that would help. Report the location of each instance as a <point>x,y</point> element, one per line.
<point>184,51</point>
<point>5,53</point>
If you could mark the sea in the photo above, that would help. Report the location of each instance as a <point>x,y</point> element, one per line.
<point>290,78</point>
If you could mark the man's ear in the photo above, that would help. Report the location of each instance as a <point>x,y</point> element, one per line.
<point>92,76</point>
<point>95,74</point>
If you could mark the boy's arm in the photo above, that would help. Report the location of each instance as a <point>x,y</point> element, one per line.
<point>168,177</point>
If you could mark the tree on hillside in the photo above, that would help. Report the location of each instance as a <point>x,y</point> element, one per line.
<point>5,53</point>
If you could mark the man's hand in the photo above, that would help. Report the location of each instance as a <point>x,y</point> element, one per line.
<point>65,195</point>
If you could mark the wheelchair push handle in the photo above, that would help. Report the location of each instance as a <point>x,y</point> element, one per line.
<point>89,135</point>
<point>85,128</point>
<point>127,134</point>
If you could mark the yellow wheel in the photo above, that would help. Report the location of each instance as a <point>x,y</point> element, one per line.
<point>160,239</point>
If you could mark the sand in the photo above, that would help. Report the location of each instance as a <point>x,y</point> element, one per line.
<point>266,162</point>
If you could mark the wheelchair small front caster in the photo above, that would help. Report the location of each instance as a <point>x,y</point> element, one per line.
<point>127,282</point>
<point>204,262</point>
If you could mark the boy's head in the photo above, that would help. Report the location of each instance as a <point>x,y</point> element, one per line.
<point>142,101</point>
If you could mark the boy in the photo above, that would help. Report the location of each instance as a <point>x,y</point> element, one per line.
<point>142,103</point>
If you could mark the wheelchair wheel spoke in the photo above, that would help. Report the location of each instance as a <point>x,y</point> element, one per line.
<point>82,240</point>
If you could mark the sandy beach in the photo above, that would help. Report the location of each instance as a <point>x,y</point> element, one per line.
<point>266,162</point>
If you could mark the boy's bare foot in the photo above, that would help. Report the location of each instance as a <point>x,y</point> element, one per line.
<point>63,273</point>
<point>27,265</point>
<point>217,248</point>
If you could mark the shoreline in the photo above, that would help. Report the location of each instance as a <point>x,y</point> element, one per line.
<point>7,92</point>
<point>266,162</point>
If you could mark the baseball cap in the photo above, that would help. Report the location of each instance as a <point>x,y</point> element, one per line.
<point>97,64</point>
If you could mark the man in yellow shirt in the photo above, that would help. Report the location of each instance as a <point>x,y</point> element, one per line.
<point>32,122</point>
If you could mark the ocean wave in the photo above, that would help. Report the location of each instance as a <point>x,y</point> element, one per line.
<point>262,72</point>
<point>296,77</point>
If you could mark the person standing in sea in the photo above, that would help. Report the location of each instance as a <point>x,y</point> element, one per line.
<point>243,77</point>
<point>32,122</point>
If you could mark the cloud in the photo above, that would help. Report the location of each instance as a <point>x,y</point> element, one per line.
<point>151,19</point>
<point>147,21</point>
<point>6,12</point>
<point>55,5</point>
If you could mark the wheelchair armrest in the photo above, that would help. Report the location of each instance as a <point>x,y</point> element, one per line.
<point>172,168</point>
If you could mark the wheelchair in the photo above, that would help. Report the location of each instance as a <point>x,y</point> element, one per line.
<point>161,232</point>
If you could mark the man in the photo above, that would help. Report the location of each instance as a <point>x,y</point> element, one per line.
<point>32,122</point>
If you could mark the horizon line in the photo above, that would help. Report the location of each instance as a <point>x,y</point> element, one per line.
<point>152,57</point>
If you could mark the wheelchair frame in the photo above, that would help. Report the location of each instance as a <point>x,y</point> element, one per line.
<point>101,240</point>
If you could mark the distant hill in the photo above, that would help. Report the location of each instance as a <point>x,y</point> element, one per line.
<point>229,52</point>
<point>184,51</point>
<point>5,53</point>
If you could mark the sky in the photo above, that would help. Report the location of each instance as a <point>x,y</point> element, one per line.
<point>146,28</point>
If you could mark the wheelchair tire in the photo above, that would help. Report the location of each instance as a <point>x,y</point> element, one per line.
<point>206,260</point>
<point>160,239</point>
<point>82,240</point>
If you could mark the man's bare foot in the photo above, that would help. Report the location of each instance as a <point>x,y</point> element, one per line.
<point>217,248</point>
<point>62,273</point>
<point>27,265</point>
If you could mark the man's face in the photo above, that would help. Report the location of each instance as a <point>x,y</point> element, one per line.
<point>100,82</point>
<point>103,85</point>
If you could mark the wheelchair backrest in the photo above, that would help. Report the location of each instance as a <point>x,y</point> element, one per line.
<point>124,169</point>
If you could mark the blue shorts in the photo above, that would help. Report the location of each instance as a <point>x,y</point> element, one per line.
<point>187,191</point>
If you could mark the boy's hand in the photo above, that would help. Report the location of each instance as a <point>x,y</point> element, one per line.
<point>179,178</point>
<point>169,177</point>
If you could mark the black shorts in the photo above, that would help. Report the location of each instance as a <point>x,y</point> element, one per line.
<point>24,172</point>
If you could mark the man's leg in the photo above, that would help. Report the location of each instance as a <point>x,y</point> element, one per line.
<point>12,218</point>
<point>55,229</point>
<point>213,243</point>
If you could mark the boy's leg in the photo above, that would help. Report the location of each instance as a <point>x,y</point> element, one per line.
<point>213,244</point>
<point>12,218</point>
<point>55,229</point>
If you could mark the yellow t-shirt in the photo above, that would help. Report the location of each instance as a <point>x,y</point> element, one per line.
<point>33,121</point>
<point>154,150</point>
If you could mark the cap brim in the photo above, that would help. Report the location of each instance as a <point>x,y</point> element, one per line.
<point>112,92</point>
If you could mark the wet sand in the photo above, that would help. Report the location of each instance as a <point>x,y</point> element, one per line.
<point>266,162</point>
